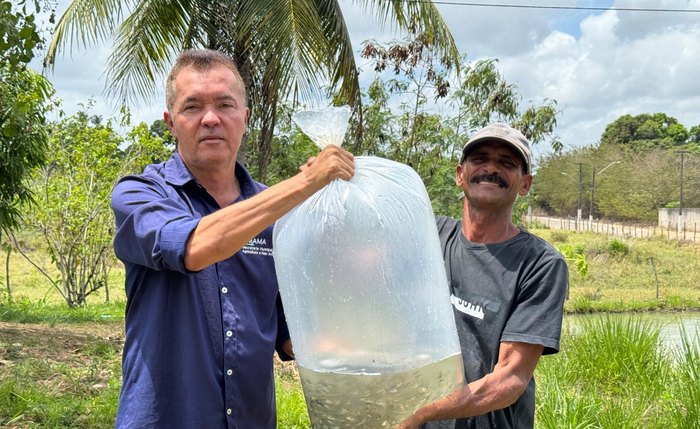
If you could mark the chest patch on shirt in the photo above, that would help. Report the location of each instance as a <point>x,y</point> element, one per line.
<point>257,246</point>
<point>466,307</point>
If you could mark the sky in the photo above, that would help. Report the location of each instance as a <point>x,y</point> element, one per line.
<point>597,64</point>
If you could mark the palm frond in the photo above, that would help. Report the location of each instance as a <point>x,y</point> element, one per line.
<point>148,41</point>
<point>288,43</point>
<point>85,22</point>
<point>344,72</point>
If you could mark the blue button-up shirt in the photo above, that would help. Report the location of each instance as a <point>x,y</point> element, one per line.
<point>199,345</point>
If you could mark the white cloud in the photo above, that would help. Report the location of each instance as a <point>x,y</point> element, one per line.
<point>597,65</point>
<point>613,69</point>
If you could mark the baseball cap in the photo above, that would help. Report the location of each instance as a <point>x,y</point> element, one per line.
<point>504,133</point>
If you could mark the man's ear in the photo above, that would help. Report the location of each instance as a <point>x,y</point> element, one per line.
<point>169,123</point>
<point>525,185</point>
<point>168,120</point>
<point>459,180</point>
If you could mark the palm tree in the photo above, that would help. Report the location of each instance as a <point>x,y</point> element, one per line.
<point>284,48</point>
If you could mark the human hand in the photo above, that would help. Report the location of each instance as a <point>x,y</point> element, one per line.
<point>451,406</point>
<point>287,347</point>
<point>410,423</point>
<point>331,163</point>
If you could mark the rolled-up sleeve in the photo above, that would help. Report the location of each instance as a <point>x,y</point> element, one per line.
<point>152,227</point>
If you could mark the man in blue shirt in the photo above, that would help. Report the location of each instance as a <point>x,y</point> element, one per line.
<point>203,315</point>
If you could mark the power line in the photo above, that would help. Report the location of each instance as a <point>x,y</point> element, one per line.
<point>532,6</point>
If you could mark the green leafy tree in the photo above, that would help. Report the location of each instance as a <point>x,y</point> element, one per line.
<point>160,129</point>
<point>634,186</point>
<point>24,103</point>
<point>419,76</point>
<point>414,134</point>
<point>562,182</point>
<point>645,131</point>
<point>694,136</point>
<point>74,190</point>
<point>284,49</point>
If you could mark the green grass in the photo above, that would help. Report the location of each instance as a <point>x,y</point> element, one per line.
<point>625,275</point>
<point>52,380</point>
<point>26,311</point>
<point>611,373</point>
<point>614,373</point>
<point>291,405</point>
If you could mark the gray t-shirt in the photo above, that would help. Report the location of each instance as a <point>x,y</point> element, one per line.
<point>511,291</point>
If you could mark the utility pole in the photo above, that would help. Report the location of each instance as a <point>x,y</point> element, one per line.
<point>580,190</point>
<point>590,212</point>
<point>680,199</point>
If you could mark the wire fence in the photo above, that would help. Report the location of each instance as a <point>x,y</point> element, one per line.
<point>621,229</point>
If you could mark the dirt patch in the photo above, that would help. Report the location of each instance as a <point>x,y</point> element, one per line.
<point>55,343</point>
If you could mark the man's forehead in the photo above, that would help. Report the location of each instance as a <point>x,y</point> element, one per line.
<point>197,84</point>
<point>495,146</point>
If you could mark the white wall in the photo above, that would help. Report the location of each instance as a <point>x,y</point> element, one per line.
<point>691,218</point>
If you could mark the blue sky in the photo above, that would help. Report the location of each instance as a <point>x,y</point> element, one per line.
<point>598,65</point>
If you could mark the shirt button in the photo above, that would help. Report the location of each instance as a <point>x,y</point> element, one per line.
<point>229,334</point>
<point>229,411</point>
<point>229,372</point>
<point>224,289</point>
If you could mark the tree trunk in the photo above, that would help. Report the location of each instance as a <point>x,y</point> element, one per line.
<point>7,272</point>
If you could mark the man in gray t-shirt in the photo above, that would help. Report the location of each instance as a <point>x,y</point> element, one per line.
<point>507,290</point>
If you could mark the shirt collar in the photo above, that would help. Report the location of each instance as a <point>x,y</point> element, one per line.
<point>176,173</point>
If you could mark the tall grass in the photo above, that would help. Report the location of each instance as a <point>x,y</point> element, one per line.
<point>614,373</point>
<point>684,409</point>
<point>25,311</point>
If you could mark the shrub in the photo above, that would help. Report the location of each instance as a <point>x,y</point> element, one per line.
<point>618,248</point>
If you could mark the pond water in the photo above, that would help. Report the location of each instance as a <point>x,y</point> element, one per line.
<point>671,325</point>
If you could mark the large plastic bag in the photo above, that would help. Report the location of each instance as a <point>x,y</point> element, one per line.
<point>365,292</point>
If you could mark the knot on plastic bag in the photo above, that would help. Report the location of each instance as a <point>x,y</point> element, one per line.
<point>325,126</point>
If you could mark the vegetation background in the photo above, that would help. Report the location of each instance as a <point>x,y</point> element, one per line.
<point>62,303</point>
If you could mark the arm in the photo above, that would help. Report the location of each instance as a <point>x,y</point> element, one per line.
<point>221,234</point>
<point>496,390</point>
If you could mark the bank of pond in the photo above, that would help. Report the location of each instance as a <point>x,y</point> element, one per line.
<point>622,371</point>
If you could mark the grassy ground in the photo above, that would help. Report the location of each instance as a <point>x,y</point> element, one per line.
<point>629,274</point>
<point>614,373</point>
<point>60,367</point>
<point>64,376</point>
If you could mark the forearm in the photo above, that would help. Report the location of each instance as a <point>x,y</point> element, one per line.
<point>492,392</point>
<point>495,391</point>
<point>221,234</point>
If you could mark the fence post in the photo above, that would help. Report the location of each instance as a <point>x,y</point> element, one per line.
<point>656,277</point>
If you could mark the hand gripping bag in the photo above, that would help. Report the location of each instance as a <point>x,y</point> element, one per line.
<point>365,292</point>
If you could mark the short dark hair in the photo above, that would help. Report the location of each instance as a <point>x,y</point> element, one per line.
<point>199,59</point>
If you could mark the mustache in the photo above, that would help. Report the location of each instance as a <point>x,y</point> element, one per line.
<point>490,178</point>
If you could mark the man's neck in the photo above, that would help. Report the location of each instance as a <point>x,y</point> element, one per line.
<point>221,184</point>
<point>487,226</point>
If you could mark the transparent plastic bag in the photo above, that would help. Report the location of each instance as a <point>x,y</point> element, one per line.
<point>365,292</point>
